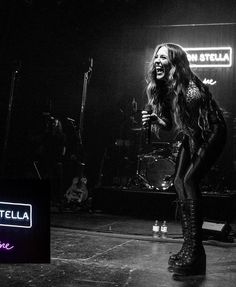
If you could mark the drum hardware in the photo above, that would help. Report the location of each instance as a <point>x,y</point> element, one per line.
<point>144,181</point>
<point>139,180</point>
<point>155,170</point>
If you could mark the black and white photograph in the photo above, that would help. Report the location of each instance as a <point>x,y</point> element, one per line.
<point>117,143</point>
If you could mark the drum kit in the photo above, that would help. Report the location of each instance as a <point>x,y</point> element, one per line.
<point>155,170</point>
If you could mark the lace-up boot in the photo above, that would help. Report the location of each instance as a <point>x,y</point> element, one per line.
<point>193,260</point>
<point>184,224</point>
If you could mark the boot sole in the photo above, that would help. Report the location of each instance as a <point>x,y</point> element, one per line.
<point>195,269</point>
<point>170,269</point>
<point>191,278</point>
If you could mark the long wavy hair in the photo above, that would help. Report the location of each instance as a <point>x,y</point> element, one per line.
<point>172,91</point>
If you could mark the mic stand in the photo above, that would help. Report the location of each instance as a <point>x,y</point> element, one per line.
<point>8,119</point>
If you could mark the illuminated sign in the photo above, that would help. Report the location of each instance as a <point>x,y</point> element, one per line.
<point>5,246</point>
<point>24,221</point>
<point>209,57</point>
<point>209,82</point>
<point>15,214</point>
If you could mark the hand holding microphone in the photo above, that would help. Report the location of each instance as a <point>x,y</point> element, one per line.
<point>147,118</point>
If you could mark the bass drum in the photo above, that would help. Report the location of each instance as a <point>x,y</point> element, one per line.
<point>158,171</point>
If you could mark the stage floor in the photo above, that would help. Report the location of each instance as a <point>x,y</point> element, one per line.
<point>111,250</point>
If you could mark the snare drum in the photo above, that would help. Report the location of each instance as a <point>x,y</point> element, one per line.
<point>157,170</point>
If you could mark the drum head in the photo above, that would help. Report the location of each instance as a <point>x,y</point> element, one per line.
<point>158,171</point>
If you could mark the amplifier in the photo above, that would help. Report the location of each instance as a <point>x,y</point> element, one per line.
<point>216,230</point>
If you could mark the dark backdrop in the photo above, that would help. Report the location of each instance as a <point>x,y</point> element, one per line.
<point>53,41</point>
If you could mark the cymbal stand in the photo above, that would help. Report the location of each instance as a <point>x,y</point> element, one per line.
<point>139,179</point>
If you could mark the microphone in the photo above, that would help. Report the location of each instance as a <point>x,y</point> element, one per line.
<point>91,64</point>
<point>134,105</point>
<point>148,109</point>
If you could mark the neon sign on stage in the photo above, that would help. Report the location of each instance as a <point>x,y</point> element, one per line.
<point>210,82</point>
<point>6,246</point>
<point>209,57</point>
<point>15,214</point>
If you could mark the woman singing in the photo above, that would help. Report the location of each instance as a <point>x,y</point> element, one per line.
<point>177,96</point>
